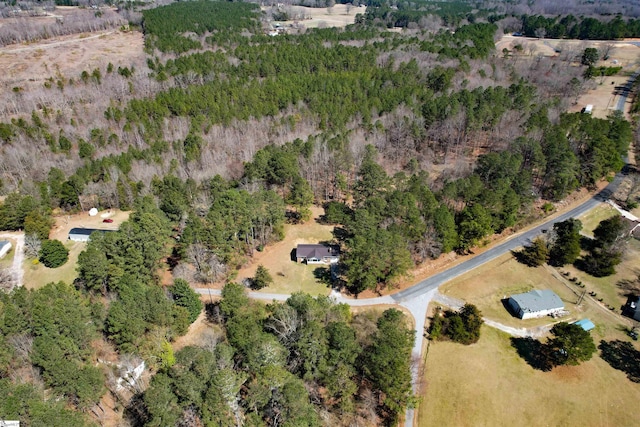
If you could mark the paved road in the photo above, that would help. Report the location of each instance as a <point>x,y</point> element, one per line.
<point>625,93</point>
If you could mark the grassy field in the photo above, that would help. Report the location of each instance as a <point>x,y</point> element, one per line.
<point>488,285</point>
<point>591,219</point>
<point>37,275</point>
<point>488,384</point>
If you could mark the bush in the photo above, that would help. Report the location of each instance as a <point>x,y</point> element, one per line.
<point>262,278</point>
<point>53,254</point>
<point>462,326</point>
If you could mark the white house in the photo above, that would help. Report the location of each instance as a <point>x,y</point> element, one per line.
<point>536,304</point>
<point>317,254</point>
<point>5,246</point>
<point>82,234</point>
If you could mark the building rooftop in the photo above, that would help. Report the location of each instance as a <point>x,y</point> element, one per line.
<point>86,231</point>
<point>315,251</point>
<point>4,243</point>
<point>534,301</point>
<point>585,324</point>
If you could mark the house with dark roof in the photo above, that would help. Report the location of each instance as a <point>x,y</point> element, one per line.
<point>536,304</point>
<point>82,234</point>
<point>632,308</point>
<point>317,254</point>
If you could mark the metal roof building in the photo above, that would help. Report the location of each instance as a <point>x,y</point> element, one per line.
<point>5,246</point>
<point>585,324</point>
<point>536,304</point>
<point>82,234</point>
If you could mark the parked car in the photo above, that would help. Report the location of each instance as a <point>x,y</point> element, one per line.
<point>107,220</point>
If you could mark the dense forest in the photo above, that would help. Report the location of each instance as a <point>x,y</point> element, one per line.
<point>416,144</point>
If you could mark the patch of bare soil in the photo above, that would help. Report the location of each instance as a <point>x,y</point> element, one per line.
<point>27,66</point>
<point>200,333</point>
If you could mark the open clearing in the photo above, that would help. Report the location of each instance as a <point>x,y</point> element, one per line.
<point>488,384</point>
<point>339,15</point>
<point>37,275</point>
<point>290,276</point>
<point>28,65</point>
<point>625,54</point>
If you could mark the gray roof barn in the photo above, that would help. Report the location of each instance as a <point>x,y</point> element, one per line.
<point>82,234</point>
<point>316,253</point>
<point>536,303</point>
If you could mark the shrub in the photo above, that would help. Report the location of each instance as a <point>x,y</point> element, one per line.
<point>53,254</point>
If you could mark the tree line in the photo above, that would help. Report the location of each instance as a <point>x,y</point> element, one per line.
<point>583,28</point>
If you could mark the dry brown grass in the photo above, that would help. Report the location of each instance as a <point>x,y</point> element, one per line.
<point>488,384</point>
<point>67,56</point>
<point>289,276</point>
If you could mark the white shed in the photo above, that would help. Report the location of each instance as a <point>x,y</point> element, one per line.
<point>536,304</point>
<point>5,246</point>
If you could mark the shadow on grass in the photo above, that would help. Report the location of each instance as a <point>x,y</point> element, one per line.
<point>505,304</point>
<point>323,275</point>
<point>533,352</point>
<point>623,356</point>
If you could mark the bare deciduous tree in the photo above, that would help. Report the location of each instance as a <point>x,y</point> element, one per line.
<point>7,280</point>
<point>32,245</point>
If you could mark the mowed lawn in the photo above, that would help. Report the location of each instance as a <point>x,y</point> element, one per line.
<point>489,284</point>
<point>36,275</point>
<point>488,384</point>
<point>591,219</point>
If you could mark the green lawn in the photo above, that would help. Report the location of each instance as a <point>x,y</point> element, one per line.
<point>591,219</point>
<point>37,275</point>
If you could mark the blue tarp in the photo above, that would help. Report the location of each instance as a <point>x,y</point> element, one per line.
<point>585,324</point>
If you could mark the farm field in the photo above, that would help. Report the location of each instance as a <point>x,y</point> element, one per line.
<point>488,384</point>
<point>339,15</point>
<point>27,66</point>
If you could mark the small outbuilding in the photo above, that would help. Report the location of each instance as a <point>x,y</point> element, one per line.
<point>82,234</point>
<point>317,254</point>
<point>585,324</point>
<point>5,246</point>
<point>632,309</point>
<point>536,304</point>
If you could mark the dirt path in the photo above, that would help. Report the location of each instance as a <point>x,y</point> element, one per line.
<point>47,45</point>
<point>18,256</point>
<point>457,304</point>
